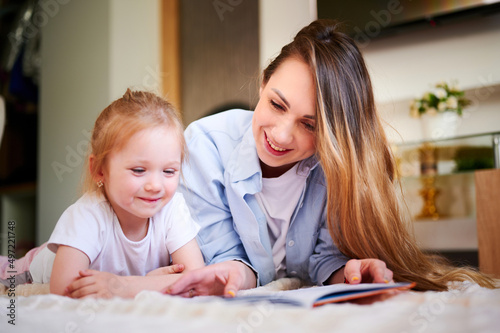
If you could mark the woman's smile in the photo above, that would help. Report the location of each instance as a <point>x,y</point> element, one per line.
<point>274,148</point>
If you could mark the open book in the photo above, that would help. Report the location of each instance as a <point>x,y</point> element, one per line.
<point>317,296</point>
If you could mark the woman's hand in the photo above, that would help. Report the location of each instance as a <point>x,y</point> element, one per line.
<point>363,270</point>
<point>224,278</point>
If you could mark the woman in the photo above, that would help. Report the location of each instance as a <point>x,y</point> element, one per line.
<point>304,182</point>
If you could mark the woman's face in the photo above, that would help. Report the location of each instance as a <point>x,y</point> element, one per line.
<point>285,117</point>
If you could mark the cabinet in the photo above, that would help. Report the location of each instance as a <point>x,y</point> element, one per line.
<point>17,218</point>
<point>439,185</point>
<point>19,87</point>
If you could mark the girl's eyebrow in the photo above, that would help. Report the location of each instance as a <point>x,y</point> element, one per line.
<point>280,94</point>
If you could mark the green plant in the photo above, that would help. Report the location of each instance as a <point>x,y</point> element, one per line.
<point>443,97</point>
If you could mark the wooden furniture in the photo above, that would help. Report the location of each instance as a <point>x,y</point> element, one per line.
<point>488,220</point>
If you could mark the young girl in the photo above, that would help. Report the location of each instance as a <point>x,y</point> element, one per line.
<point>116,238</point>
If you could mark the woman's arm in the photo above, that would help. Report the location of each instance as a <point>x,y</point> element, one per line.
<point>67,265</point>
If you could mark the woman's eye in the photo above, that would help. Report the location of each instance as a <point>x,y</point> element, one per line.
<point>277,106</point>
<point>309,127</point>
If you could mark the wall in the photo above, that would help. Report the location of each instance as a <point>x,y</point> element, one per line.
<point>405,66</point>
<point>279,21</point>
<point>91,50</point>
<point>219,46</point>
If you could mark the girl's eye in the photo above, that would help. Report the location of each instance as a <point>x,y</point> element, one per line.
<point>138,170</point>
<point>169,172</point>
<point>276,105</point>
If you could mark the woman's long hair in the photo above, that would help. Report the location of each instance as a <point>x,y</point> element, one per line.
<point>365,216</point>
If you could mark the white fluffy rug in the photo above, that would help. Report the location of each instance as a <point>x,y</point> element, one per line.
<point>469,308</point>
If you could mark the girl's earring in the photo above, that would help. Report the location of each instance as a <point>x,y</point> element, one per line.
<point>100,184</point>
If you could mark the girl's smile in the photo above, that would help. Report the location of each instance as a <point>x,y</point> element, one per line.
<point>142,177</point>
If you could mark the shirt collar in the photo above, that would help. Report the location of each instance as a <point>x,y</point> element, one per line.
<point>244,160</point>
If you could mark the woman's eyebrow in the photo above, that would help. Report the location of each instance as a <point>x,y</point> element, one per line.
<point>280,94</point>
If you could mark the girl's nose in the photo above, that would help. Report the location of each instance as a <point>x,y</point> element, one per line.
<point>153,184</point>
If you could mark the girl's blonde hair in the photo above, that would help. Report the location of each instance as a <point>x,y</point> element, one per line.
<point>117,123</point>
<point>364,214</point>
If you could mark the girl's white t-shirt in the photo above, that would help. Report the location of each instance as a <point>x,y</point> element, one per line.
<point>91,226</point>
<point>278,200</point>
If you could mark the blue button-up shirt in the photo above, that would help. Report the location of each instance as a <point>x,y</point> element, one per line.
<point>220,180</point>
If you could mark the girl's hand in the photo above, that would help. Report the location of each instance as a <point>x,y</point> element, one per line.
<point>224,278</point>
<point>367,271</point>
<point>92,283</point>
<point>172,269</point>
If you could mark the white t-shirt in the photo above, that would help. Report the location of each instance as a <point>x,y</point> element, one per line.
<point>278,199</point>
<point>91,226</point>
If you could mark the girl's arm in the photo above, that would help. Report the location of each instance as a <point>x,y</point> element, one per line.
<point>189,255</point>
<point>67,265</point>
<point>102,284</point>
<point>185,259</point>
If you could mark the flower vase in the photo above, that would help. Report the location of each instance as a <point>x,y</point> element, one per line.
<point>441,125</point>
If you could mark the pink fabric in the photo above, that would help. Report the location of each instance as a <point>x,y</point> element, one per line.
<point>20,265</point>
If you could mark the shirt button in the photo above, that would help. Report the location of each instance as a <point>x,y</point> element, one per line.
<point>291,243</point>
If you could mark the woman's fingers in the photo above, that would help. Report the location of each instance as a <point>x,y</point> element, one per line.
<point>352,271</point>
<point>182,286</point>
<point>367,271</point>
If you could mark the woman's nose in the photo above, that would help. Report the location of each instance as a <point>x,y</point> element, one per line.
<point>283,132</point>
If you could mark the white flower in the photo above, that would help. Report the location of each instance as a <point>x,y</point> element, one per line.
<point>442,106</point>
<point>452,102</point>
<point>440,93</point>
<point>444,97</point>
<point>454,87</point>
<point>431,111</point>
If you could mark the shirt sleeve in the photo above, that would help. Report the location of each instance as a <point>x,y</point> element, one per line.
<point>82,226</point>
<point>204,190</point>
<point>181,228</point>
<point>326,258</point>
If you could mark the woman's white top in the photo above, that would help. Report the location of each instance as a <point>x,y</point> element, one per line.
<point>278,199</point>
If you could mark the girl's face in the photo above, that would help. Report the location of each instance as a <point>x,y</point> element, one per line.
<point>285,117</point>
<point>141,178</point>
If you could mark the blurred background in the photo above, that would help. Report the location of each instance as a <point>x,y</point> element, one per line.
<point>63,61</point>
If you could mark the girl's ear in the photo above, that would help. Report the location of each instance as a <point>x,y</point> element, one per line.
<point>99,175</point>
